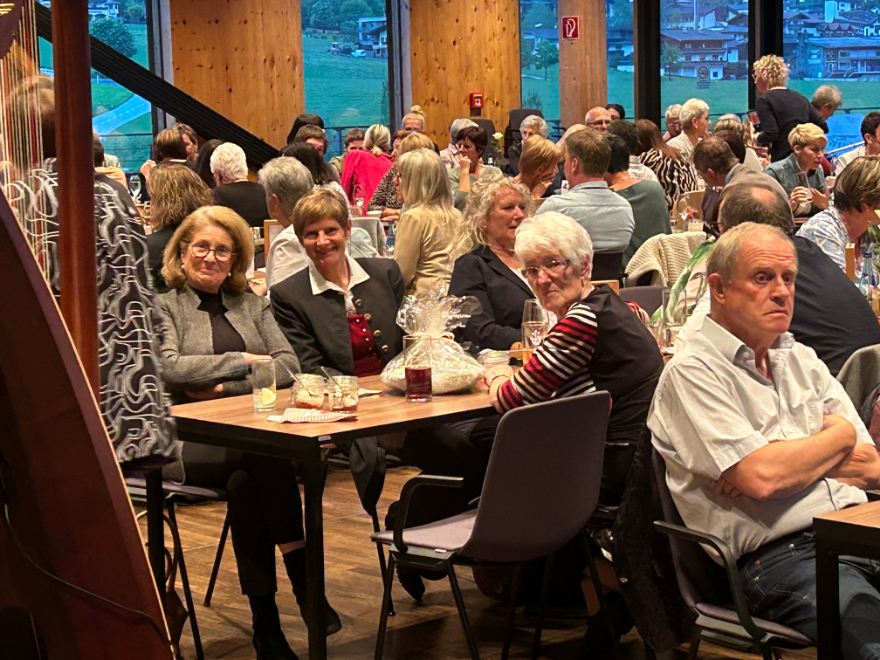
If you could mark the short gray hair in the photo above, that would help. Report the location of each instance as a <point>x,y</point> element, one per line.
<point>554,232</point>
<point>673,111</point>
<point>458,125</point>
<point>286,178</point>
<point>725,254</point>
<point>827,95</point>
<point>536,122</point>
<point>692,109</point>
<point>229,161</point>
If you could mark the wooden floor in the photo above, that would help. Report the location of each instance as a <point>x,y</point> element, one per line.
<point>421,631</point>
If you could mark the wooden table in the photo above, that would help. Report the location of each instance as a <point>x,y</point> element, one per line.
<point>231,423</point>
<point>853,531</point>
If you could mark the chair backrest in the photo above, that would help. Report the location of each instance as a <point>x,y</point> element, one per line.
<point>860,374</point>
<point>649,298</point>
<point>541,487</point>
<point>607,266</point>
<point>700,579</point>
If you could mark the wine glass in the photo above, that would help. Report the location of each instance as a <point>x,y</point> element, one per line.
<point>533,312</point>
<point>134,185</point>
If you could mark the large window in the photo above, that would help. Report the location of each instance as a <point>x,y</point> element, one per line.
<point>539,57</point>
<point>704,54</point>
<point>345,60</point>
<point>621,62</point>
<point>122,119</point>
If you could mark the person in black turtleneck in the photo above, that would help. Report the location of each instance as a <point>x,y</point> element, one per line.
<point>213,329</point>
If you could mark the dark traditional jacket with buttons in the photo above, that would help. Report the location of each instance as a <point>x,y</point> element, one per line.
<point>317,325</point>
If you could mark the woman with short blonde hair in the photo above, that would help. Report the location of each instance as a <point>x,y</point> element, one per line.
<point>770,71</point>
<point>801,173</point>
<point>538,165</point>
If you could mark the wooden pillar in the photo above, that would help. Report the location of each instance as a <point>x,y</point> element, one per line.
<point>243,59</point>
<point>76,184</point>
<point>583,62</point>
<point>463,46</point>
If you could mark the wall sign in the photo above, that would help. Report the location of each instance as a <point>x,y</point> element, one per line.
<point>571,27</point>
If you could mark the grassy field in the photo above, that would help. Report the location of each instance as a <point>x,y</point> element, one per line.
<point>131,142</point>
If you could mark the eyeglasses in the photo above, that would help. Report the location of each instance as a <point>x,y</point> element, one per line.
<point>554,267</point>
<point>600,122</point>
<point>221,254</point>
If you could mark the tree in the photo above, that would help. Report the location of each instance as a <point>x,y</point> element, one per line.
<point>621,14</point>
<point>324,15</point>
<point>539,14</point>
<point>135,13</point>
<point>352,10</point>
<point>676,17</point>
<point>377,7</point>
<point>533,100</point>
<point>546,55</point>
<point>526,55</point>
<point>670,58</point>
<point>115,34</point>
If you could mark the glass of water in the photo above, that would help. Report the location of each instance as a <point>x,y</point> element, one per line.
<point>263,381</point>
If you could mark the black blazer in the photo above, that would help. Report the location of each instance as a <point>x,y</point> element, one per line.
<point>246,198</point>
<point>501,292</point>
<point>317,326</point>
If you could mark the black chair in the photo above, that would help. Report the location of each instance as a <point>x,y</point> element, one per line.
<point>649,298</point>
<point>607,266</point>
<point>714,592</point>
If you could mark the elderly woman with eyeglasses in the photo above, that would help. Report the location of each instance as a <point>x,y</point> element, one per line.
<point>213,330</point>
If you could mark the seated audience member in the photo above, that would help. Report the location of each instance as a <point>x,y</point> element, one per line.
<point>114,173</point>
<point>363,170</point>
<point>616,110</point>
<point>285,180</point>
<point>472,142</point>
<point>190,140</point>
<point>354,141</point>
<point>673,171</point>
<point>314,136</point>
<point>646,198</point>
<point>856,202</point>
<point>387,195</point>
<point>213,330</point>
<point>606,216</point>
<point>322,173</point>
<point>758,438</point>
<point>203,162</point>
<point>489,269</point>
<point>780,109</point>
<point>673,122</point>
<point>694,116</point>
<point>177,192</point>
<point>801,173</point>
<point>830,315</point>
<point>598,118</point>
<point>870,132</point>
<point>303,120</point>
<point>234,191</point>
<point>450,153</point>
<point>168,149</point>
<point>531,126</point>
<point>414,120</point>
<point>538,166</point>
<point>339,312</point>
<point>430,225</point>
<point>628,132</point>
<point>734,133</point>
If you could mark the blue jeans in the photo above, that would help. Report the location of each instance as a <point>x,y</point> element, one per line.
<point>780,586</point>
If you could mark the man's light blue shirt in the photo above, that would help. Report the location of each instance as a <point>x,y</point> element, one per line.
<point>607,217</point>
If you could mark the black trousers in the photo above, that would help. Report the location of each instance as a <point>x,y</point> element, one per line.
<point>265,508</point>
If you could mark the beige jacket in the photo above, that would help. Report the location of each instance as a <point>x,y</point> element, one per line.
<point>423,248</point>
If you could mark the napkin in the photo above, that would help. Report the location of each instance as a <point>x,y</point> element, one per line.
<point>307,416</point>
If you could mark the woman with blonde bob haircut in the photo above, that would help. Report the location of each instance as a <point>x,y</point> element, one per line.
<point>427,230</point>
<point>488,268</point>
<point>538,165</point>
<point>801,173</point>
<point>362,171</point>
<point>387,195</point>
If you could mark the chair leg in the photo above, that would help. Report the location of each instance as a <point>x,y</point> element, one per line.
<point>459,602</point>
<point>217,559</point>
<point>375,517</point>
<point>600,593</point>
<point>542,605</point>
<point>184,578</point>
<point>696,638</point>
<point>386,602</point>
<point>511,611</point>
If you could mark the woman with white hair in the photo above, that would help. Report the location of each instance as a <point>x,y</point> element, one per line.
<point>234,191</point>
<point>428,229</point>
<point>694,116</point>
<point>801,173</point>
<point>531,127</point>
<point>363,170</point>
<point>450,154</point>
<point>780,109</point>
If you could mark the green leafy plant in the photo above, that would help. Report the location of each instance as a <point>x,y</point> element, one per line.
<point>546,55</point>
<point>115,34</point>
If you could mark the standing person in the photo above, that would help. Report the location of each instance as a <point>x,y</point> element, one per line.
<point>450,153</point>
<point>673,122</point>
<point>427,230</point>
<point>674,173</point>
<point>248,199</point>
<point>363,170</point>
<point>801,172</point>
<point>870,131</point>
<point>780,109</point>
<point>472,143</point>
<point>354,141</point>
<point>826,99</point>
<point>694,116</point>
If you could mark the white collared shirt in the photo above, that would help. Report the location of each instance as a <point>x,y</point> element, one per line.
<point>712,408</point>
<point>320,285</point>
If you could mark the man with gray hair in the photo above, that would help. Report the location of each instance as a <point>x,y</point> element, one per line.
<point>285,181</point>
<point>758,438</point>
<point>826,99</point>
<point>673,122</point>
<point>449,155</point>
<point>598,118</point>
<point>234,191</point>
<point>694,117</point>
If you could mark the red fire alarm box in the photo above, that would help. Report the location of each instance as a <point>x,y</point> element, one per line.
<point>476,100</point>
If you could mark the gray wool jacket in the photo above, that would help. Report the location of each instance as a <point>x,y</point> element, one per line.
<point>188,360</point>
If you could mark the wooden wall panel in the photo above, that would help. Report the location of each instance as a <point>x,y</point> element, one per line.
<point>243,59</point>
<point>459,47</point>
<point>583,66</point>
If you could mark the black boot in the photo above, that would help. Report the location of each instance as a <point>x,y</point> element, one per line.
<point>269,640</point>
<point>295,563</point>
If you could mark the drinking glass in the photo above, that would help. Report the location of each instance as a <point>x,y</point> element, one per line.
<point>673,315</point>
<point>343,391</point>
<point>417,366</point>
<point>533,333</point>
<point>695,224</point>
<point>263,381</point>
<point>533,312</point>
<point>307,391</point>
<point>134,185</point>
